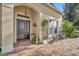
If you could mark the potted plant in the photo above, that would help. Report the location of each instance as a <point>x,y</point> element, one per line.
<point>33,39</point>
<point>37,40</point>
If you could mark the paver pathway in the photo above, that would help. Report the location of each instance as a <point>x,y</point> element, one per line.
<point>66,47</point>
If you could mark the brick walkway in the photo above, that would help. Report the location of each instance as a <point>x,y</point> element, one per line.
<point>67,47</point>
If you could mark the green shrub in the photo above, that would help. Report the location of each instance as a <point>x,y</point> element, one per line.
<point>45,24</point>
<point>69,29</point>
<point>34,39</point>
<point>73,35</point>
<point>45,37</point>
<point>77,33</point>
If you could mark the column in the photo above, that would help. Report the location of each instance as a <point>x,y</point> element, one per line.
<point>39,27</point>
<point>7,28</point>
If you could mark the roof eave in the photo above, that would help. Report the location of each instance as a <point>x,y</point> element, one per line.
<point>55,9</point>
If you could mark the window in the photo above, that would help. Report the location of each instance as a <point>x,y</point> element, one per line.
<point>53,26</point>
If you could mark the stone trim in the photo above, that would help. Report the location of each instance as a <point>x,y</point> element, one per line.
<point>7,6</point>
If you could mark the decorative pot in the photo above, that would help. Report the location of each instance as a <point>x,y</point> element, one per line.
<point>45,41</point>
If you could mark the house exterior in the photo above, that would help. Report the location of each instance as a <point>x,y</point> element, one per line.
<point>19,20</point>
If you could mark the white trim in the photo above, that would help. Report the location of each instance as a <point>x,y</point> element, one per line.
<point>23,18</point>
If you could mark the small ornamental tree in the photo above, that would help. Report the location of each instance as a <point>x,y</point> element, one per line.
<point>45,28</point>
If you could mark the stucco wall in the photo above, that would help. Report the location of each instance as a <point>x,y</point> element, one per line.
<point>9,22</point>
<point>0,25</point>
<point>60,24</point>
<point>7,29</point>
<point>46,10</point>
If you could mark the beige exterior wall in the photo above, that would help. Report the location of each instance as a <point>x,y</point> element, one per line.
<point>60,24</point>
<point>0,25</point>
<point>36,13</point>
<point>7,29</point>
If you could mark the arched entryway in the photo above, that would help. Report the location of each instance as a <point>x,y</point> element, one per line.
<point>25,23</point>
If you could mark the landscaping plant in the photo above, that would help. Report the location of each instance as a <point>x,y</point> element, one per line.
<point>69,29</point>
<point>34,39</point>
<point>45,37</point>
<point>45,28</point>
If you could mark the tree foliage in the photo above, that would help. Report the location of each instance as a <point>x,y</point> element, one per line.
<point>71,11</point>
<point>45,24</point>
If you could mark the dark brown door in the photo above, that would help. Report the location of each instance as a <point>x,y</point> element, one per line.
<point>23,29</point>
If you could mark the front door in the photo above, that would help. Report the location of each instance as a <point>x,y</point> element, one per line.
<point>23,29</point>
